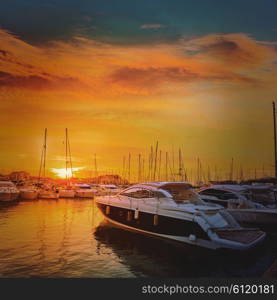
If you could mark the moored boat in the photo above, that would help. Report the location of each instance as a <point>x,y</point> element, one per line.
<point>172,210</point>
<point>28,194</point>
<point>84,191</point>
<point>67,193</point>
<point>8,191</point>
<point>249,205</point>
<point>109,189</point>
<point>48,194</point>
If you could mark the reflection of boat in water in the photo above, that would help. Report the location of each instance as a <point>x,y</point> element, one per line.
<point>249,205</point>
<point>174,211</point>
<point>8,191</point>
<point>146,256</point>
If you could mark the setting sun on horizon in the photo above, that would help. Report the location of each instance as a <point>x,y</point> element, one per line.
<point>65,173</point>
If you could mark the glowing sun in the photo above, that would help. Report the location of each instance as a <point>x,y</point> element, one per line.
<point>63,173</point>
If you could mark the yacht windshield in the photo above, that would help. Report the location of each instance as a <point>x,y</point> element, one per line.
<point>183,194</point>
<point>264,196</point>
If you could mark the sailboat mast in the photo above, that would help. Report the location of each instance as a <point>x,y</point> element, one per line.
<point>151,165</point>
<point>42,157</point>
<point>70,159</point>
<point>155,163</point>
<point>198,170</point>
<point>180,165</point>
<point>209,174</point>
<point>66,155</point>
<point>129,168</point>
<point>95,165</point>
<point>44,152</point>
<point>160,162</point>
<point>173,164</point>
<point>123,166</point>
<point>166,166</point>
<point>139,168</point>
<point>142,170</point>
<point>231,169</point>
<point>184,170</point>
<point>274,133</point>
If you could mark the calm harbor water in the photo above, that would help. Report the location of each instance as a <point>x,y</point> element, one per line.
<point>69,238</point>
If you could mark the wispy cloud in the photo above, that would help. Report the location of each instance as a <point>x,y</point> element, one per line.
<point>87,66</point>
<point>152,26</point>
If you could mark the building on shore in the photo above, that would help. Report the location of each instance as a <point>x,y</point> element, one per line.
<point>19,176</point>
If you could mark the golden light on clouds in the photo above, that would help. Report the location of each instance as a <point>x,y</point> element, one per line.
<point>210,95</point>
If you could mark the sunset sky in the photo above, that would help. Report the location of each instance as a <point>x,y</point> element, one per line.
<point>120,75</point>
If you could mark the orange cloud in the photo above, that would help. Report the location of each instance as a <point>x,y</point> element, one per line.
<point>88,66</point>
<point>236,51</point>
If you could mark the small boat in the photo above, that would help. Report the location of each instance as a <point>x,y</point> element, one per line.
<point>8,191</point>
<point>67,193</point>
<point>109,189</point>
<point>84,191</point>
<point>174,211</point>
<point>267,181</point>
<point>48,194</point>
<point>28,194</point>
<point>250,205</point>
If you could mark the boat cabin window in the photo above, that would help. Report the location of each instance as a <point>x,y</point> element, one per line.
<point>182,194</point>
<point>130,192</point>
<point>142,194</point>
<point>219,194</point>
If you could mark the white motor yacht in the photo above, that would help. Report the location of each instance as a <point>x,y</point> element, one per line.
<point>249,205</point>
<point>8,191</point>
<point>173,210</point>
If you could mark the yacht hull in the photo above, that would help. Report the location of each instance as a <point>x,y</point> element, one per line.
<point>48,195</point>
<point>66,194</point>
<point>166,227</point>
<point>84,194</point>
<point>180,239</point>
<point>170,228</point>
<point>7,196</point>
<point>28,195</point>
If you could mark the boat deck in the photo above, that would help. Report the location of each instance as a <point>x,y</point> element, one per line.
<point>244,237</point>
